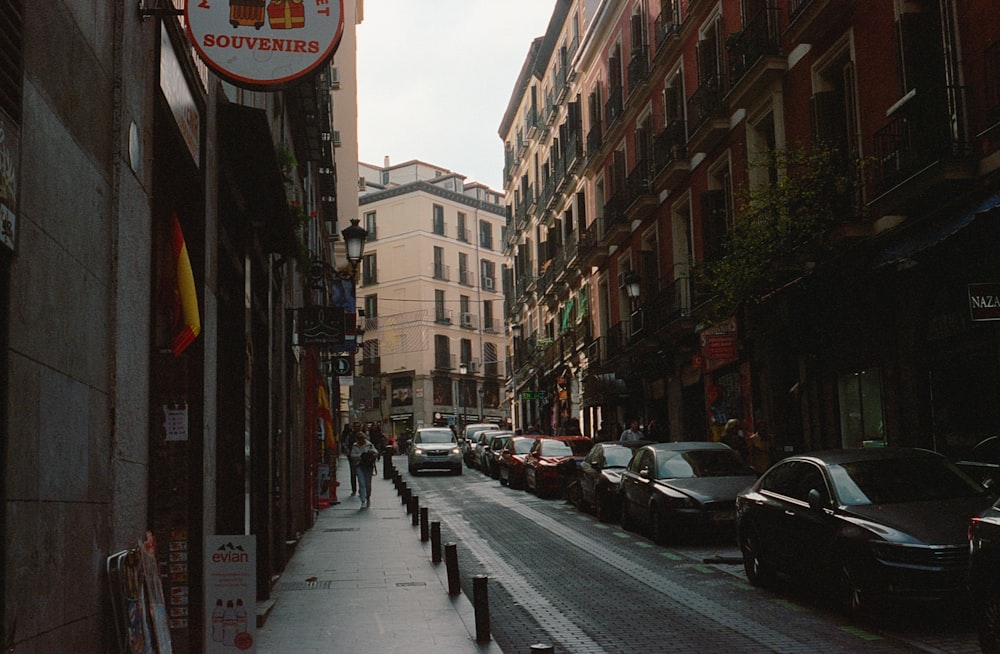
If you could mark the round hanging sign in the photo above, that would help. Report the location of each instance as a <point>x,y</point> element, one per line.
<point>264,44</point>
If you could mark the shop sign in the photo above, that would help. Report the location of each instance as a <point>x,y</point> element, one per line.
<point>230,594</point>
<point>719,345</point>
<point>177,92</point>
<point>264,44</point>
<point>9,149</point>
<point>401,417</point>
<point>318,325</point>
<point>984,301</point>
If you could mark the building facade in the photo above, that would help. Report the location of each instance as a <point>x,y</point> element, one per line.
<point>432,295</point>
<point>780,212</point>
<point>135,403</point>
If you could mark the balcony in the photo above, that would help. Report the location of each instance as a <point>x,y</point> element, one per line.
<point>614,107</point>
<point>466,278</point>
<point>462,234</point>
<point>574,152</point>
<point>670,161</point>
<point>444,361</point>
<point>618,337</point>
<point>810,20</point>
<point>709,122</point>
<point>615,221</point>
<point>531,122</point>
<point>595,139</point>
<point>492,326</point>
<point>638,68</point>
<point>669,311</point>
<point>591,250</point>
<point>666,26</point>
<point>441,272</point>
<point>640,200</point>
<point>755,61</point>
<point>442,316</point>
<point>921,149</point>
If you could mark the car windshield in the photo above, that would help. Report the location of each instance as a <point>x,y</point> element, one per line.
<point>617,456</point>
<point>890,481</point>
<point>443,436</point>
<point>701,463</point>
<point>523,445</point>
<point>565,448</point>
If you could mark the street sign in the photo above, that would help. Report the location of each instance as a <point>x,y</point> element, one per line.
<point>343,366</point>
<point>533,395</point>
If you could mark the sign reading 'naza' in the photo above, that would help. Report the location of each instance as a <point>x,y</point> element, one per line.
<point>984,301</point>
<point>264,43</point>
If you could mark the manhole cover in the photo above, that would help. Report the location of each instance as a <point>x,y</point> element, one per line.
<point>340,529</point>
<point>303,585</point>
<point>411,583</point>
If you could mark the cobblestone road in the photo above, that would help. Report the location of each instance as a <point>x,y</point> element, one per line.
<point>558,576</point>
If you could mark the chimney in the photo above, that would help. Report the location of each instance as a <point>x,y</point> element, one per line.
<point>385,162</point>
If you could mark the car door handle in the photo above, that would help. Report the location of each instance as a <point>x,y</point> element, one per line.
<point>789,513</point>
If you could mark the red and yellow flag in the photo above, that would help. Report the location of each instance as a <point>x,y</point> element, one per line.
<point>186,299</point>
<point>323,406</point>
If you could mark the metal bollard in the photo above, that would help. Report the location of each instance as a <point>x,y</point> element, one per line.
<point>543,649</point>
<point>451,564</point>
<point>436,542</point>
<point>481,603</point>
<point>414,510</point>
<point>406,494</point>
<point>423,524</point>
<point>387,463</point>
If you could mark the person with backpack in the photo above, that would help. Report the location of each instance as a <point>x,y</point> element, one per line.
<point>363,455</point>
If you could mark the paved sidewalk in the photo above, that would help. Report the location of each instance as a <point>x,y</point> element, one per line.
<point>361,581</point>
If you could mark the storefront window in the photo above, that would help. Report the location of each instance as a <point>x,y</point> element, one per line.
<point>861,417</point>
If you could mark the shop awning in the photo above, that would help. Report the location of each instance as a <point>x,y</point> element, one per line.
<point>929,233</point>
<point>249,169</point>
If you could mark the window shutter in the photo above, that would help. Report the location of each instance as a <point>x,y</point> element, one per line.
<point>713,223</point>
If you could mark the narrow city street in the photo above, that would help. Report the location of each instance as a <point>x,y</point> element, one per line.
<point>558,576</point>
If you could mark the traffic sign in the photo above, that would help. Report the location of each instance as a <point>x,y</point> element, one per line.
<point>343,366</point>
<point>533,395</point>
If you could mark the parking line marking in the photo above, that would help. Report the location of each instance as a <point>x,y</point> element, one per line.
<point>672,556</point>
<point>703,568</point>
<point>643,544</point>
<point>623,535</point>
<point>861,633</point>
<point>790,605</point>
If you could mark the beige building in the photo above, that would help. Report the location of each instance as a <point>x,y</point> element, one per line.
<point>431,291</point>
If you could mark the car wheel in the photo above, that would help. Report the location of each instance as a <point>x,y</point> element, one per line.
<point>624,517</point>
<point>528,486</point>
<point>504,481</point>
<point>574,495</point>
<point>754,566</point>
<point>988,623</point>
<point>660,525</point>
<point>458,470</point>
<point>412,468</point>
<point>849,594</point>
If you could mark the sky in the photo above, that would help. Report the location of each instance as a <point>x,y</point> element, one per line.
<point>435,77</point>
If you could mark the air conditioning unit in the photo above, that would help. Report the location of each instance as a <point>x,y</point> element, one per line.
<point>334,78</point>
<point>488,283</point>
<point>466,319</point>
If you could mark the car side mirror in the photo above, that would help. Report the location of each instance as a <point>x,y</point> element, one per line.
<point>816,500</point>
<point>645,473</point>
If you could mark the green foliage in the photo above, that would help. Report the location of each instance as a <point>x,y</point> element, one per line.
<point>775,221</point>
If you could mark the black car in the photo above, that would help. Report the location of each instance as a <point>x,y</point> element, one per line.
<point>595,488</point>
<point>984,576</point>
<point>676,489</point>
<point>866,524</point>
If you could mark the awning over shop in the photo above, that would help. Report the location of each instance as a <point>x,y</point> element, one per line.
<point>931,232</point>
<point>249,169</point>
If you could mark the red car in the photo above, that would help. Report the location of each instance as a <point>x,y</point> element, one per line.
<point>512,458</point>
<point>551,459</point>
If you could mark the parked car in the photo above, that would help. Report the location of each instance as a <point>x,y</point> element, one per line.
<point>551,460</point>
<point>489,463</point>
<point>866,524</point>
<point>984,576</point>
<point>512,458</point>
<point>676,489</point>
<point>595,487</point>
<point>434,447</point>
<point>982,463</point>
<point>467,439</point>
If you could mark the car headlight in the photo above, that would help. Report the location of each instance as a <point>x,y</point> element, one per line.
<point>901,554</point>
<point>455,450</point>
<point>418,451</point>
<point>677,499</point>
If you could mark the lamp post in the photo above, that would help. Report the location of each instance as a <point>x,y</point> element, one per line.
<point>354,240</point>
<point>633,286</point>
<point>463,368</point>
<point>515,332</point>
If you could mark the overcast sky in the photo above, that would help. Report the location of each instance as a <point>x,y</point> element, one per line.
<point>435,76</point>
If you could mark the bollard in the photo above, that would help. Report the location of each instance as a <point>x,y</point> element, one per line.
<point>542,648</point>
<point>406,495</point>
<point>436,542</point>
<point>451,565</point>
<point>481,603</point>
<point>423,524</point>
<point>415,511</point>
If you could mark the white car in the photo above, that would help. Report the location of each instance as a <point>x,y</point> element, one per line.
<point>434,448</point>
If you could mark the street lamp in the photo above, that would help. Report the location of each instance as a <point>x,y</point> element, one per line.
<point>354,238</point>
<point>463,369</point>
<point>633,286</point>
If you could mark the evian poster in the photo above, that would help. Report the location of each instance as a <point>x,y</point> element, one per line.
<point>264,44</point>
<point>230,594</point>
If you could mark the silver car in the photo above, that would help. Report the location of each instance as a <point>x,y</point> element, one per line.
<point>434,447</point>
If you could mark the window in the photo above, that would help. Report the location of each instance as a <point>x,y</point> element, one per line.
<point>371,311</point>
<point>485,235</point>
<point>370,360</point>
<point>442,352</point>
<point>490,359</point>
<point>439,219</point>
<point>488,317</point>
<point>861,416</point>
<point>440,270</point>
<point>464,274</point>
<point>465,352</point>
<point>463,307</point>
<point>370,225</point>
<point>487,271</point>
<point>440,313</point>
<point>462,233</point>
<point>369,269</point>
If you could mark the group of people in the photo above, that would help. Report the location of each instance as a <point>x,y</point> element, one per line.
<point>755,449</point>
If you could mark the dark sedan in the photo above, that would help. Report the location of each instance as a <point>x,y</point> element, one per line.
<point>866,524</point>
<point>596,483</point>
<point>675,489</point>
<point>984,576</point>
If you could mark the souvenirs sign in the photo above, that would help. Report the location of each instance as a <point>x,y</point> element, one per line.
<point>264,44</point>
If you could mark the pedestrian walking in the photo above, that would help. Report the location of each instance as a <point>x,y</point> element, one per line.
<point>733,437</point>
<point>760,446</point>
<point>363,456</point>
<point>351,461</point>
<point>632,433</point>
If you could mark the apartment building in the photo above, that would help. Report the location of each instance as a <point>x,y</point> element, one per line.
<point>431,290</point>
<point>781,211</point>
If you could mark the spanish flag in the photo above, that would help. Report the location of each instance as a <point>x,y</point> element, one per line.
<point>323,406</point>
<point>186,299</point>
